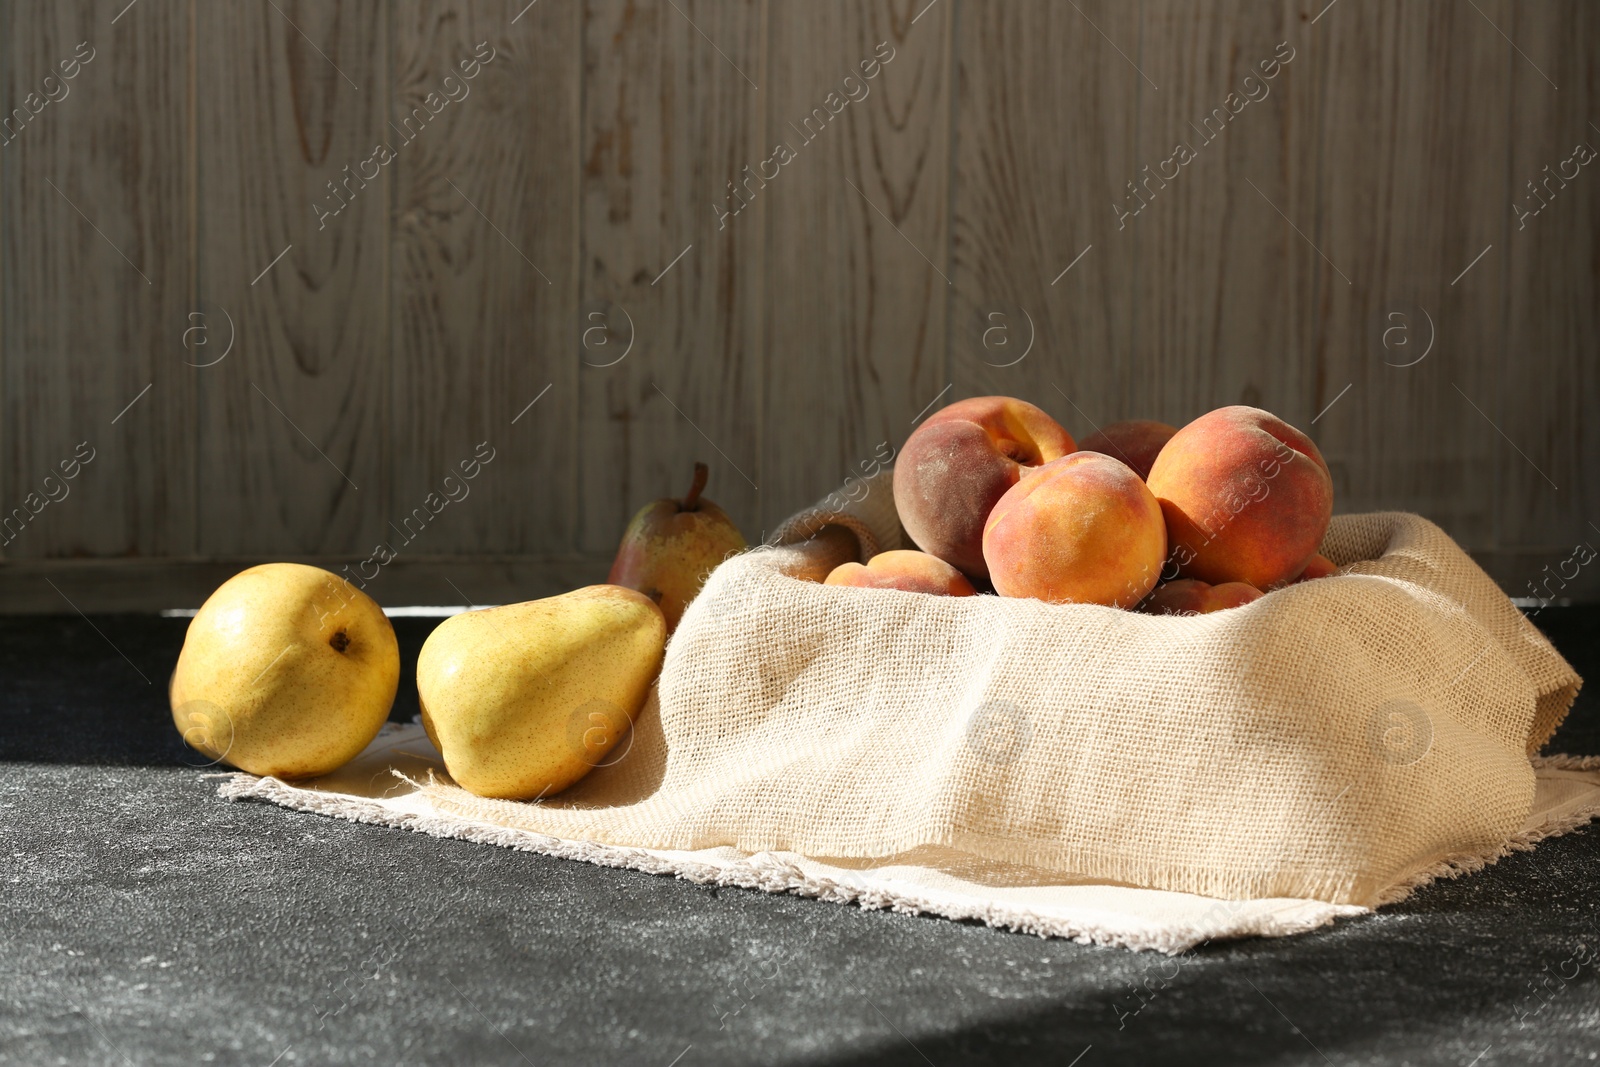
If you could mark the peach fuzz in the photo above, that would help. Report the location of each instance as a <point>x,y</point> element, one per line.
<point>910,572</point>
<point>1136,442</point>
<point>1188,596</point>
<point>959,462</point>
<point>1079,530</point>
<point>1247,498</point>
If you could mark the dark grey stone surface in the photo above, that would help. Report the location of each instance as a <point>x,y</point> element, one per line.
<point>145,921</point>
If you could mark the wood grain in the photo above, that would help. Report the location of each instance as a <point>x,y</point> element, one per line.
<point>96,188</point>
<point>1223,284</point>
<point>1407,203</point>
<point>672,112</point>
<point>35,587</point>
<point>859,277</point>
<point>484,237</point>
<point>1045,114</point>
<point>579,203</point>
<point>1548,374</point>
<point>294,428</point>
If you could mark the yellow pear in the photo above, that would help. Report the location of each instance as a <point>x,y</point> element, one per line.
<point>286,670</point>
<point>524,700</point>
<point>671,545</point>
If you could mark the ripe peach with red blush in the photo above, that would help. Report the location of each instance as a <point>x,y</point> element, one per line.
<point>960,462</point>
<point>1082,529</point>
<point>1136,442</point>
<point>1188,596</point>
<point>1319,567</point>
<point>910,572</point>
<point>1247,497</point>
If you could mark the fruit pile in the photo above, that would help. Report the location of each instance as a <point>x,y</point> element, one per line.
<point>995,493</point>
<point>291,671</point>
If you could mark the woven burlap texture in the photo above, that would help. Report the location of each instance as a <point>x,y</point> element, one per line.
<point>1332,740</point>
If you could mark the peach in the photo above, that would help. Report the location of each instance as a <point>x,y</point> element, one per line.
<point>959,462</point>
<point>1083,529</point>
<point>819,555</point>
<point>1319,567</point>
<point>1188,596</point>
<point>1134,441</point>
<point>911,572</point>
<point>1247,498</point>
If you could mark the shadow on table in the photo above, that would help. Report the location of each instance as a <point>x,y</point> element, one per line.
<point>1366,990</point>
<point>94,691</point>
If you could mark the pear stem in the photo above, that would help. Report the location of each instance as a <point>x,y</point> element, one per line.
<point>692,501</point>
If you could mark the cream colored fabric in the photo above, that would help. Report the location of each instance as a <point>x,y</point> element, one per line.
<point>388,785</point>
<point>1335,741</point>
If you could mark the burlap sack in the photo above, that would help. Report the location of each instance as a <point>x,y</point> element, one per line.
<point>1336,741</point>
<point>1326,741</point>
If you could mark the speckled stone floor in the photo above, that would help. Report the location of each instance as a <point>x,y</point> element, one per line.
<point>146,921</point>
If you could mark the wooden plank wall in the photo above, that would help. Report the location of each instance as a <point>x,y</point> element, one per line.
<point>597,240</point>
